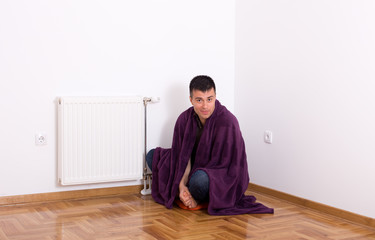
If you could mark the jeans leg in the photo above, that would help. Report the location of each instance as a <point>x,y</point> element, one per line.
<point>199,185</point>
<point>149,158</point>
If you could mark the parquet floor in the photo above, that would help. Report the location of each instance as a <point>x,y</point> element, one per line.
<point>136,217</point>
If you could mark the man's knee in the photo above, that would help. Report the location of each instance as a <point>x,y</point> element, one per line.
<point>149,157</point>
<point>199,178</point>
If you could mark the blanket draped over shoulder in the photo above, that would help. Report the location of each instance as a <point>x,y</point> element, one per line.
<point>220,153</point>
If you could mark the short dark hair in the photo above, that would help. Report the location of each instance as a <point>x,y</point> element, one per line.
<point>202,83</point>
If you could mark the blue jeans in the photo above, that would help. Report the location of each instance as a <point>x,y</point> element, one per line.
<point>198,184</point>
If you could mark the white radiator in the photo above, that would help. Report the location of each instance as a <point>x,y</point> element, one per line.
<point>100,139</point>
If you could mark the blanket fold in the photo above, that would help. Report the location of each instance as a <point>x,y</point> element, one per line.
<point>220,153</point>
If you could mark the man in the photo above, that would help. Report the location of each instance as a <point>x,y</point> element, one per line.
<point>207,162</point>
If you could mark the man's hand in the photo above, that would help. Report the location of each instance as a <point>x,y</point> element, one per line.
<point>185,195</point>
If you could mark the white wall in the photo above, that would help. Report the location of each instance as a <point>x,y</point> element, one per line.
<point>101,48</point>
<point>305,70</point>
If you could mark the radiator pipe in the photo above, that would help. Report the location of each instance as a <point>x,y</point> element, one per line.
<point>147,177</point>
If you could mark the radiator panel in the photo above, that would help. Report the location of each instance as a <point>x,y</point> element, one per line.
<point>100,139</point>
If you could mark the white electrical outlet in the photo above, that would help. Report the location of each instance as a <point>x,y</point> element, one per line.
<point>40,139</point>
<point>268,136</point>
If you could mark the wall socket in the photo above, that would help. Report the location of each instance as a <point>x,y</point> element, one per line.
<point>268,136</point>
<point>40,139</point>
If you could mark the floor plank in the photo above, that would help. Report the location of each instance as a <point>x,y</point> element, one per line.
<point>133,216</point>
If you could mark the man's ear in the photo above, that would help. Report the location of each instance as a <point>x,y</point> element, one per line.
<point>191,100</point>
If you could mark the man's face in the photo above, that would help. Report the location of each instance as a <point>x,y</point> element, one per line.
<point>203,103</point>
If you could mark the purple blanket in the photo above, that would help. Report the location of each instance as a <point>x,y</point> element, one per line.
<point>221,154</point>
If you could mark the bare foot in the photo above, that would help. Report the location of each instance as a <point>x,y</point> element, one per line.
<point>193,203</point>
<point>189,200</point>
<point>186,198</point>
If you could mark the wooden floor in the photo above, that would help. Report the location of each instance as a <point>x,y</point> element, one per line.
<point>136,217</point>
